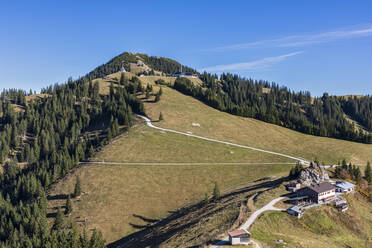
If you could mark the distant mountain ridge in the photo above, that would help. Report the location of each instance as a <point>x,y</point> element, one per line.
<point>166,65</point>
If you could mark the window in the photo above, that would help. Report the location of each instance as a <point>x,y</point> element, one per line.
<point>244,240</point>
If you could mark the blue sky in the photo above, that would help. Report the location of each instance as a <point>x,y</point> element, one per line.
<point>306,45</point>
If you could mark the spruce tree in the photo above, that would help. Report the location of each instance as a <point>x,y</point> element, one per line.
<point>157,97</point>
<point>68,208</point>
<point>368,173</point>
<point>96,240</point>
<point>59,221</point>
<point>109,135</point>
<point>84,241</point>
<point>344,164</point>
<point>91,151</point>
<point>149,87</point>
<point>216,191</point>
<point>357,175</point>
<point>206,199</point>
<point>122,78</point>
<point>350,170</point>
<point>77,189</point>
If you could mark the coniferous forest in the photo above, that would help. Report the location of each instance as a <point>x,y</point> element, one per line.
<point>49,136</point>
<point>320,116</point>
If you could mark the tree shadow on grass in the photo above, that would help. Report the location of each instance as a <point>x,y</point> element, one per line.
<point>57,197</point>
<point>148,220</point>
<point>51,215</point>
<point>162,230</point>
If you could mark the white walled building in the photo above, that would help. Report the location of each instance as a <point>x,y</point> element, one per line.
<point>344,187</point>
<point>239,237</point>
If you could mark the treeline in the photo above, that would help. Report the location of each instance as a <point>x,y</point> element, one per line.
<point>322,116</point>
<point>359,108</point>
<point>114,65</point>
<point>166,65</point>
<point>352,172</point>
<point>50,136</point>
<point>16,96</point>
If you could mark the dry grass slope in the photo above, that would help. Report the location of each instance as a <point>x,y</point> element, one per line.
<point>180,111</point>
<point>144,144</point>
<point>116,196</point>
<point>201,223</point>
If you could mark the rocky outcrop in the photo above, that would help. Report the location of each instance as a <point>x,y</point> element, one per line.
<point>315,173</point>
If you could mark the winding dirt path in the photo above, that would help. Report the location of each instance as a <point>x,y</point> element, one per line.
<point>149,123</point>
<point>251,219</point>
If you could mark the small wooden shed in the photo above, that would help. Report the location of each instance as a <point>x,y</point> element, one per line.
<point>239,237</point>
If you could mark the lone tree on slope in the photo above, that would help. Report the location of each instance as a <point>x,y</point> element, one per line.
<point>68,208</point>
<point>157,97</point>
<point>77,190</point>
<point>216,191</point>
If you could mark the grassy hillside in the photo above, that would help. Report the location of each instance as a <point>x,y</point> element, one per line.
<point>180,111</point>
<point>202,223</point>
<point>323,227</point>
<point>118,199</point>
<point>115,197</point>
<point>144,144</point>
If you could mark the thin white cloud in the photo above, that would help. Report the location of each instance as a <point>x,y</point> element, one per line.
<point>250,66</point>
<point>300,40</point>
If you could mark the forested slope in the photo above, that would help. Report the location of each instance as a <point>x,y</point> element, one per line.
<point>49,136</point>
<point>320,116</point>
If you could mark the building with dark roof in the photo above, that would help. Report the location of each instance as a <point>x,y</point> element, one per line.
<point>321,192</point>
